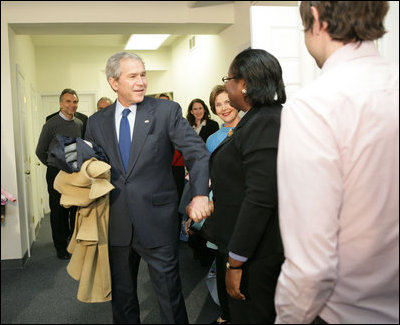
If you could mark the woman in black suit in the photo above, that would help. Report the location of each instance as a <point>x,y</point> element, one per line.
<point>245,224</point>
<point>199,118</point>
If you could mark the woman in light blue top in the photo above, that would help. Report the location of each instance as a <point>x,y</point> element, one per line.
<point>219,103</point>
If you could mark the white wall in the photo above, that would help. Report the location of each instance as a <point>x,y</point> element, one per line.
<point>389,44</point>
<point>188,73</point>
<point>173,12</point>
<point>14,243</point>
<point>83,69</point>
<point>195,72</point>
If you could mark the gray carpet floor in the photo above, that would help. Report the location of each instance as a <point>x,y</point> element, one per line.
<point>43,293</point>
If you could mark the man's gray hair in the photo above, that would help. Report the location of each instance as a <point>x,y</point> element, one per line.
<point>113,67</point>
<point>104,98</point>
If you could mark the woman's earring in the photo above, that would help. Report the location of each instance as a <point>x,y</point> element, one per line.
<point>244,91</point>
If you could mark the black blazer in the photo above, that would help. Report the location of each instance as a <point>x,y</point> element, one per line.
<point>244,182</point>
<point>145,198</point>
<point>208,129</point>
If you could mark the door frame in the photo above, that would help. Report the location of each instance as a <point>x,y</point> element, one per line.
<point>20,79</point>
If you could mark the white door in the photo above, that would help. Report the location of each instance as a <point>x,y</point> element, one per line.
<point>388,45</point>
<point>28,219</point>
<point>38,169</point>
<point>86,105</point>
<point>279,31</point>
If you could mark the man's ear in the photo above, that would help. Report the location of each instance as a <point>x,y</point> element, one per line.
<point>113,83</point>
<point>317,25</point>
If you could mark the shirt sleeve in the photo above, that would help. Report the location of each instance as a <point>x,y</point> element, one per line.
<point>310,192</point>
<point>238,257</point>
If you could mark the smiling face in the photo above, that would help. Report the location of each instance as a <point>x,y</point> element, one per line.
<point>69,105</point>
<point>225,111</point>
<point>197,111</point>
<point>132,83</point>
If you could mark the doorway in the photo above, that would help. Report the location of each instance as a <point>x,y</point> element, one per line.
<point>86,105</point>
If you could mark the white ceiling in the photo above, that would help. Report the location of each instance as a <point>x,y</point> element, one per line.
<point>101,40</point>
<point>196,4</point>
<point>109,34</point>
<point>113,34</point>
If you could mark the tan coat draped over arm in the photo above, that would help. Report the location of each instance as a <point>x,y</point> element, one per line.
<point>89,190</point>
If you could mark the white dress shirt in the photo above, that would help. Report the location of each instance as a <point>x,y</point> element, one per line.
<point>198,128</point>
<point>118,116</point>
<point>338,180</point>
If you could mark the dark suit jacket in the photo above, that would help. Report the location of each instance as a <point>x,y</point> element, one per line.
<point>208,129</point>
<point>244,182</point>
<point>78,115</point>
<point>146,195</point>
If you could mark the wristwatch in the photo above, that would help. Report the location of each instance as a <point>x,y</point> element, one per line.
<point>230,267</point>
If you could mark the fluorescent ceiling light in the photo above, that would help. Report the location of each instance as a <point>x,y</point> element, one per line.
<point>145,41</point>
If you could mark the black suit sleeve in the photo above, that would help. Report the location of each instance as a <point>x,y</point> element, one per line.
<point>194,152</point>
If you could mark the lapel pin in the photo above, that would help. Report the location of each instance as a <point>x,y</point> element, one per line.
<point>146,121</point>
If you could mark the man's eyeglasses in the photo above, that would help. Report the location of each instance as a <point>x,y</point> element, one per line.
<point>226,79</point>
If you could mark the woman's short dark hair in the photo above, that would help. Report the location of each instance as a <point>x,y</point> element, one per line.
<point>348,21</point>
<point>263,76</point>
<point>218,89</point>
<point>190,117</point>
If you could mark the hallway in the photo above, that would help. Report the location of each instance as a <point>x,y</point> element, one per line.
<point>43,292</point>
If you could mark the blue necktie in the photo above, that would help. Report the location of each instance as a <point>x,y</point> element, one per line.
<point>125,138</point>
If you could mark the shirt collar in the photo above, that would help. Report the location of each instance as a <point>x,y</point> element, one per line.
<point>120,108</point>
<point>66,118</point>
<point>349,52</point>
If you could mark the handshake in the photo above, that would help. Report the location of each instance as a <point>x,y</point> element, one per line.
<point>199,208</point>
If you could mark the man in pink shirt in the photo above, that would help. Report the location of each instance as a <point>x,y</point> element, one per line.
<point>338,175</point>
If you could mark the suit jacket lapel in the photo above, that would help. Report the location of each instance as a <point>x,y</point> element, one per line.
<point>144,119</point>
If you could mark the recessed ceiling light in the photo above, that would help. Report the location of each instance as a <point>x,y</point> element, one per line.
<point>145,41</point>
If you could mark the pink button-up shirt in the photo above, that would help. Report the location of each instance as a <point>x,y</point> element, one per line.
<point>338,180</point>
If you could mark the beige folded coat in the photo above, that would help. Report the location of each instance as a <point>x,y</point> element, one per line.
<point>89,190</point>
